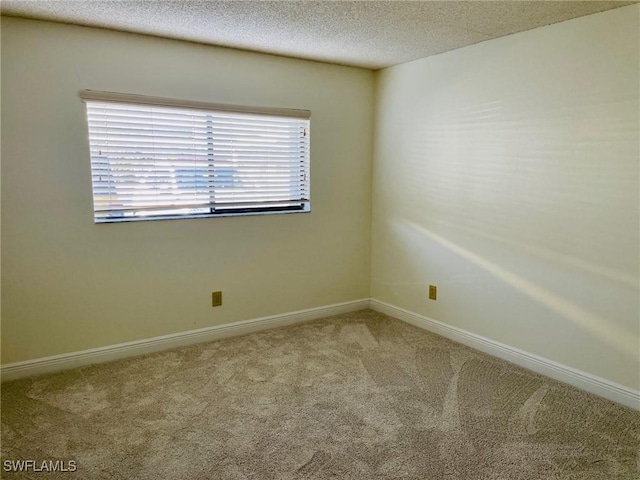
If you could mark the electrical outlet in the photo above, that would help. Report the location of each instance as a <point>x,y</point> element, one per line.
<point>216,299</point>
<point>433,292</point>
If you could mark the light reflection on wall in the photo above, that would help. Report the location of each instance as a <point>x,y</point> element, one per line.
<point>598,326</point>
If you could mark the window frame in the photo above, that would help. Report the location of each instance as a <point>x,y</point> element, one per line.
<point>88,96</point>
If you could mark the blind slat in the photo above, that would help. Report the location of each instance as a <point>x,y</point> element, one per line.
<point>150,160</point>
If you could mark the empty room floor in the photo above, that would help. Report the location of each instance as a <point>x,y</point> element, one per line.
<point>356,396</point>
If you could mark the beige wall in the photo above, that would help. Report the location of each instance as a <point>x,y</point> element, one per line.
<point>506,173</point>
<point>69,284</point>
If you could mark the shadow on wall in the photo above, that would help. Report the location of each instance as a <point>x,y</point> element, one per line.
<point>557,178</point>
<point>596,325</point>
<point>537,191</point>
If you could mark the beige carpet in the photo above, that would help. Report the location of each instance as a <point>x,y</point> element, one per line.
<point>358,396</point>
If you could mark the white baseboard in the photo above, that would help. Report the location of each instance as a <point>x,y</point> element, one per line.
<point>585,381</point>
<point>55,363</point>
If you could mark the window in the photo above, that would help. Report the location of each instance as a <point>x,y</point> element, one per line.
<point>155,158</point>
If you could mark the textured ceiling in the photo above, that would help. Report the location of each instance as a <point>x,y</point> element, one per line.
<point>370,34</point>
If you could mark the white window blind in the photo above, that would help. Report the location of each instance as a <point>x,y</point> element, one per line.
<point>162,158</point>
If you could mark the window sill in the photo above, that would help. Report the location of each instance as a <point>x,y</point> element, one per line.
<point>306,209</point>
